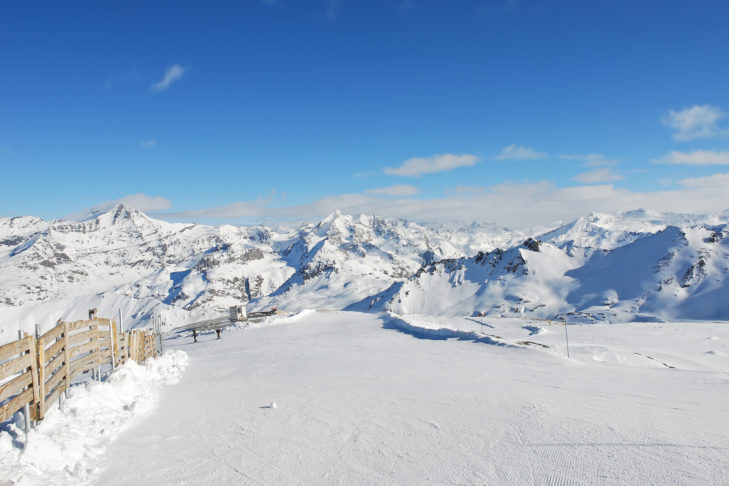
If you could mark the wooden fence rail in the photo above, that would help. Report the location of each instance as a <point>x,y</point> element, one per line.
<point>35,370</point>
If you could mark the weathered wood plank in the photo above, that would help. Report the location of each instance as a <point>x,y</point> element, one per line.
<point>54,381</point>
<point>15,385</point>
<point>54,350</point>
<point>53,397</point>
<point>80,337</point>
<point>7,410</point>
<point>12,367</point>
<point>104,356</point>
<point>53,334</point>
<point>11,350</point>
<point>73,326</point>
<point>103,334</point>
<point>88,366</point>
<point>54,364</point>
<point>81,365</point>
<point>83,349</point>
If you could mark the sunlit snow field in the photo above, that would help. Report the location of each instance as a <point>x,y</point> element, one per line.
<point>350,398</point>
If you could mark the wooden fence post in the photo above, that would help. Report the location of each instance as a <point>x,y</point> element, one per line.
<point>66,358</point>
<point>112,343</point>
<point>41,360</point>
<point>97,338</point>
<point>132,345</point>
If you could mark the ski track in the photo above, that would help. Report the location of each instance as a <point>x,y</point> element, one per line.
<point>361,403</point>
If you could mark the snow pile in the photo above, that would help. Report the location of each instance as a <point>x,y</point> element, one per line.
<point>69,447</point>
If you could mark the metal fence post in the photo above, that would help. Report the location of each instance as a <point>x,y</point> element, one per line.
<point>26,407</point>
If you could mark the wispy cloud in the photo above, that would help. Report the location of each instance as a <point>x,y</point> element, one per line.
<point>698,121</point>
<point>519,152</point>
<point>596,176</point>
<point>591,160</point>
<point>418,166</point>
<point>707,182</point>
<point>172,74</point>
<point>697,157</point>
<point>397,190</point>
<point>148,144</point>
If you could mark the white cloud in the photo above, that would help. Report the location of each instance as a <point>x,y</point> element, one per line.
<point>172,74</point>
<point>152,143</point>
<point>519,152</point>
<point>591,160</point>
<point>513,205</point>
<point>418,166</point>
<point>697,157</point>
<point>139,201</point>
<point>698,121</point>
<point>707,182</point>
<point>397,190</point>
<point>603,174</point>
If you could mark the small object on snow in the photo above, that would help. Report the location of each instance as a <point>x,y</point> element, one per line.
<point>273,405</point>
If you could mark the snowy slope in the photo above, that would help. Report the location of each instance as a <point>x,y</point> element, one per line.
<point>124,259</point>
<point>675,273</point>
<point>634,265</point>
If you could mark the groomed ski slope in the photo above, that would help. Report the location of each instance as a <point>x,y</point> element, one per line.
<point>350,398</point>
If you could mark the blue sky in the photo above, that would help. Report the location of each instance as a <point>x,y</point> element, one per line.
<point>514,111</point>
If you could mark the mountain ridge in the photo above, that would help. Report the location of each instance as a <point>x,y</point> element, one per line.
<point>369,263</point>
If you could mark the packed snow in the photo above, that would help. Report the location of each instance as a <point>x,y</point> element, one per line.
<point>352,398</point>
<point>363,398</point>
<point>70,446</point>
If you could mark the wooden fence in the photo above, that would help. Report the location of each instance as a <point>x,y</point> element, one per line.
<point>35,370</point>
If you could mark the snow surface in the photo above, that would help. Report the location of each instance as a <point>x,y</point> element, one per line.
<point>353,398</point>
<point>636,265</point>
<point>70,447</point>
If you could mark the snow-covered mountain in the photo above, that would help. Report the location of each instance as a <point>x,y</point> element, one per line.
<point>637,264</point>
<point>584,272</point>
<point>124,259</point>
